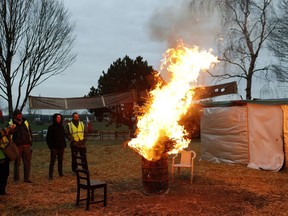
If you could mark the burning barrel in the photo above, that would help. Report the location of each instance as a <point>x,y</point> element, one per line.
<point>155,176</point>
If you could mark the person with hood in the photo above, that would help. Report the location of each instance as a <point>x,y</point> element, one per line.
<point>22,137</point>
<point>75,133</point>
<point>56,142</point>
<point>5,135</point>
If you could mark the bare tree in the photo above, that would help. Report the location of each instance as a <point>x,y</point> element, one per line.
<point>36,43</point>
<point>278,43</point>
<point>246,26</point>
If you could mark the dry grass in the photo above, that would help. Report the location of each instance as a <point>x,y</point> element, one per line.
<point>218,189</point>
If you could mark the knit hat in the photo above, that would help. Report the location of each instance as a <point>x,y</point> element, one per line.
<point>16,112</point>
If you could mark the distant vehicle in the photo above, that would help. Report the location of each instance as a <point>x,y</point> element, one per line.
<point>39,135</point>
<point>44,132</point>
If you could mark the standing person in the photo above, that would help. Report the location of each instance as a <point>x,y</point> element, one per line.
<point>22,137</point>
<point>75,133</point>
<point>5,135</point>
<point>56,142</point>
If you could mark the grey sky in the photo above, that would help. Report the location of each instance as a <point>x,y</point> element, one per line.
<point>105,31</point>
<point>110,29</point>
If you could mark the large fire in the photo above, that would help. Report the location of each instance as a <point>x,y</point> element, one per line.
<point>158,129</point>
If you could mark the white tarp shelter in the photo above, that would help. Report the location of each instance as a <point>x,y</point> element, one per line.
<point>251,133</point>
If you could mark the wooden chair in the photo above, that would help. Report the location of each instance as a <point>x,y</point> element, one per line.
<point>81,161</point>
<point>85,183</point>
<point>186,161</point>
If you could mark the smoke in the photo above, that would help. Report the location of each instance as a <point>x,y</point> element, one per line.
<point>193,23</point>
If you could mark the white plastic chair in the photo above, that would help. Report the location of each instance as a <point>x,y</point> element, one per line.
<point>186,161</point>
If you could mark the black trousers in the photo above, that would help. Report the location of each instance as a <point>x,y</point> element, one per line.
<point>4,173</point>
<point>25,154</point>
<point>56,154</point>
<point>74,151</point>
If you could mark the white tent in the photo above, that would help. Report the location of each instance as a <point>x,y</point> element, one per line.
<point>252,133</point>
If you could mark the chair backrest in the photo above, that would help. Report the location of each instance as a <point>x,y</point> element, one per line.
<point>83,177</point>
<point>81,162</point>
<point>186,157</point>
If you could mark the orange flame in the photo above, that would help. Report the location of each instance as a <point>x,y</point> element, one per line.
<point>158,129</point>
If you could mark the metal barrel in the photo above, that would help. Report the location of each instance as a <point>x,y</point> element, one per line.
<point>155,176</point>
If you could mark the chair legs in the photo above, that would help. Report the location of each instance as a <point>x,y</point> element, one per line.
<point>105,195</point>
<point>178,172</point>
<point>172,172</point>
<point>192,172</point>
<point>90,197</point>
<point>78,197</point>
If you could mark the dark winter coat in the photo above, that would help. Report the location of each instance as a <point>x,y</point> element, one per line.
<point>56,134</point>
<point>22,133</point>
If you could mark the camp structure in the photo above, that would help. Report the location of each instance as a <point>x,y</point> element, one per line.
<point>131,96</point>
<point>253,133</point>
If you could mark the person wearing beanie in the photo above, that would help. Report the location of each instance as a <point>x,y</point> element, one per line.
<point>57,143</point>
<point>22,137</point>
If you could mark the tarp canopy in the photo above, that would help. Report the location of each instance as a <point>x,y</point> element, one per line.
<point>250,134</point>
<point>120,98</point>
<point>82,102</point>
<point>215,90</point>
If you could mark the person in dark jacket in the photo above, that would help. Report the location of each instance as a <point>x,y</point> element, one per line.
<point>5,134</point>
<point>56,142</point>
<point>22,137</point>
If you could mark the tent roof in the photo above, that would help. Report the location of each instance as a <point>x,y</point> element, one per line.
<point>282,101</point>
<point>121,98</point>
<point>82,102</point>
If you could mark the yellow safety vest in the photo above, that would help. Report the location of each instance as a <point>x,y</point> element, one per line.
<point>26,124</point>
<point>4,141</point>
<point>77,133</point>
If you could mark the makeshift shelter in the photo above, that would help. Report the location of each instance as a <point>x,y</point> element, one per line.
<point>83,102</point>
<point>253,133</point>
<point>131,96</point>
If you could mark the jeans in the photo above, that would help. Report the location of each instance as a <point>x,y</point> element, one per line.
<point>25,154</point>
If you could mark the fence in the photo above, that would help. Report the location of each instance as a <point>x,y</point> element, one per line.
<point>38,136</point>
<point>108,135</point>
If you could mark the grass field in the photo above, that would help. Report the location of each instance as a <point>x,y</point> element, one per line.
<point>217,189</point>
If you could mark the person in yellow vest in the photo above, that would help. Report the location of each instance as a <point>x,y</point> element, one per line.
<point>5,135</point>
<point>22,137</point>
<point>75,133</point>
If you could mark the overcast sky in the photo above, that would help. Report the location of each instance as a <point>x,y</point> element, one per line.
<point>109,30</point>
<point>105,31</point>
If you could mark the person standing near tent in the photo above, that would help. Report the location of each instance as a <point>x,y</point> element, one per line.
<point>5,138</point>
<point>76,134</point>
<point>22,136</point>
<point>56,142</point>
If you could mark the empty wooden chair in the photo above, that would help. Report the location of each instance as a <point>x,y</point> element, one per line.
<point>85,183</point>
<point>184,160</point>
